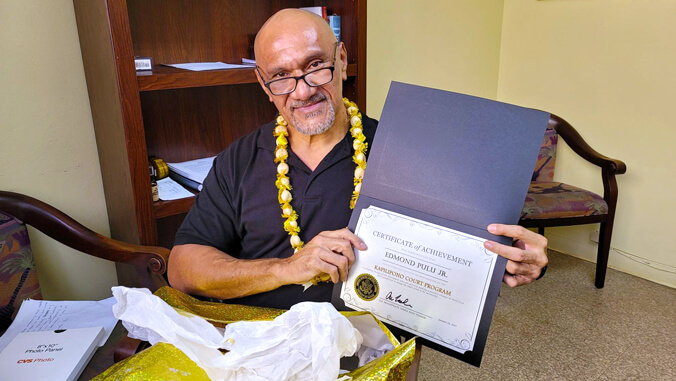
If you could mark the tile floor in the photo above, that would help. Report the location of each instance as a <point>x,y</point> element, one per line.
<point>563,328</point>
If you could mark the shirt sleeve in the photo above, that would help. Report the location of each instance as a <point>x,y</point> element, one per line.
<point>211,220</point>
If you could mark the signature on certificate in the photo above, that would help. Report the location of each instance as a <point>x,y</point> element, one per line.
<point>397,299</point>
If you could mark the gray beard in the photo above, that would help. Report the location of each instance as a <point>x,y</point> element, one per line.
<point>316,128</point>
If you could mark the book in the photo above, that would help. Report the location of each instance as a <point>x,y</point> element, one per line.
<point>202,66</point>
<point>334,23</point>
<point>186,182</point>
<point>319,11</point>
<point>191,173</point>
<point>50,355</point>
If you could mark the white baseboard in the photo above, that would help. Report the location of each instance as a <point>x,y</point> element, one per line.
<point>574,241</point>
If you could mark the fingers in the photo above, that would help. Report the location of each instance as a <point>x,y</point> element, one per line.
<point>516,280</point>
<point>513,253</point>
<point>330,252</point>
<point>525,258</point>
<point>523,270</point>
<point>519,233</point>
<point>347,235</point>
<point>322,260</point>
<point>529,247</point>
<point>335,265</point>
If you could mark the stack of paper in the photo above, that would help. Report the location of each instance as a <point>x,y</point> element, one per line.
<point>169,189</point>
<point>191,173</point>
<point>203,66</point>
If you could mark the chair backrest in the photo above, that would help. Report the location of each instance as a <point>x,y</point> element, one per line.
<point>544,167</point>
<point>150,262</point>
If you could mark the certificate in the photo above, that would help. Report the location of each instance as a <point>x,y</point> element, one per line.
<point>442,167</point>
<point>424,278</point>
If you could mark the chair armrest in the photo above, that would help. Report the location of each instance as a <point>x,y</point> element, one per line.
<point>150,261</point>
<point>580,147</point>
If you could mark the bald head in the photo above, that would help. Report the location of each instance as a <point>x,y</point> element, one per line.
<point>294,23</point>
<point>291,44</point>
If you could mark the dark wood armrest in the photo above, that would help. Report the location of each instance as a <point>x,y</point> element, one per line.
<point>149,261</point>
<point>580,147</point>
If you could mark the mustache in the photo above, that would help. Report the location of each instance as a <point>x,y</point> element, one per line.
<point>313,99</point>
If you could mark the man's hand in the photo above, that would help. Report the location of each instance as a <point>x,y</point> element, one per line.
<point>330,252</point>
<point>526,257</point>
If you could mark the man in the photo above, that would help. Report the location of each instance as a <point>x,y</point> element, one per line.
<point>233,244</point>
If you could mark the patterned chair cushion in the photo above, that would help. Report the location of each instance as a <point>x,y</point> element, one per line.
<point>549,199</point>
<point>18,277</point>
<point>544,167</point>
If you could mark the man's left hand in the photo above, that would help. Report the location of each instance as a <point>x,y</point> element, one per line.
<point>525,258</point>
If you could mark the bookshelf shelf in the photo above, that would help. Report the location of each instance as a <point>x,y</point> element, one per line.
<point>174,207</point>
<point>167,78</point>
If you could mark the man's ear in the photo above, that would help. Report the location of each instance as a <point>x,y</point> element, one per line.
<point>343,60</point>
<point>262,83</point>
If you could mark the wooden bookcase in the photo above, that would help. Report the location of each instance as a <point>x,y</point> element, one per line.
<point>174,114</point>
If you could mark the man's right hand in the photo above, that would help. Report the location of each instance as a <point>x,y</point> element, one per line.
<point>330,252</point>
<point>207,271</point>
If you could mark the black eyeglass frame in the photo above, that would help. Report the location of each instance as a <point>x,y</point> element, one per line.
<point>332,68</point>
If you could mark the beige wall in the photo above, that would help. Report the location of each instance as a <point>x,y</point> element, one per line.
<point>450,45</point>
<point>609,68</point>
<point>47,145</point>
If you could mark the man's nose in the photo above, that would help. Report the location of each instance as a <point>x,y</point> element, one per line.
<point>303,90</point>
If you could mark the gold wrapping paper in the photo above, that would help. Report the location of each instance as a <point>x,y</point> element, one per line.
<point>160,362</point>
<point>165,362</point>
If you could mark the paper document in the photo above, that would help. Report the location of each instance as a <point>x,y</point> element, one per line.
<point>169,189</point>
<point>202,66</point>
<point>195,170</point>
<point>421,277</point>
<point>44,315</point>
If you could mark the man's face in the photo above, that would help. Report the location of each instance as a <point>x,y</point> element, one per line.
<point>310,110</point>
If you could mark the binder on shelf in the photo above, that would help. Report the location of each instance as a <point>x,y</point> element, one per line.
<point>186,182</point>
<point>191,173</point>
<point>334,23</point>
<point>319,11</point>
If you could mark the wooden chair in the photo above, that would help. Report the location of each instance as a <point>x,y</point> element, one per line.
<point>551,203</point>
<point>150,262</point>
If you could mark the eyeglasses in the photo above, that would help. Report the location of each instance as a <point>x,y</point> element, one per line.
<point>313,78</point>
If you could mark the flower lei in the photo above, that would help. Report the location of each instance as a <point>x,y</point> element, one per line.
<point>284,184</point>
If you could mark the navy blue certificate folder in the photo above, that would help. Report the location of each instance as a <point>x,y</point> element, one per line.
<point>453,160</point>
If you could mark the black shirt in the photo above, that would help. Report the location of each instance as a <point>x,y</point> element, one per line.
<point>237,210</point>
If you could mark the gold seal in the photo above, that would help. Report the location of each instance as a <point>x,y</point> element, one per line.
<point>366,287</point>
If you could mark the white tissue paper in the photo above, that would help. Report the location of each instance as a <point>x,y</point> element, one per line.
<point>305,343</point>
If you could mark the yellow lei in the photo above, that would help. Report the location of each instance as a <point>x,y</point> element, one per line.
<point>284,184</point>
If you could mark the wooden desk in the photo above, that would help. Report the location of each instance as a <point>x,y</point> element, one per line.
<point>103,357</point>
